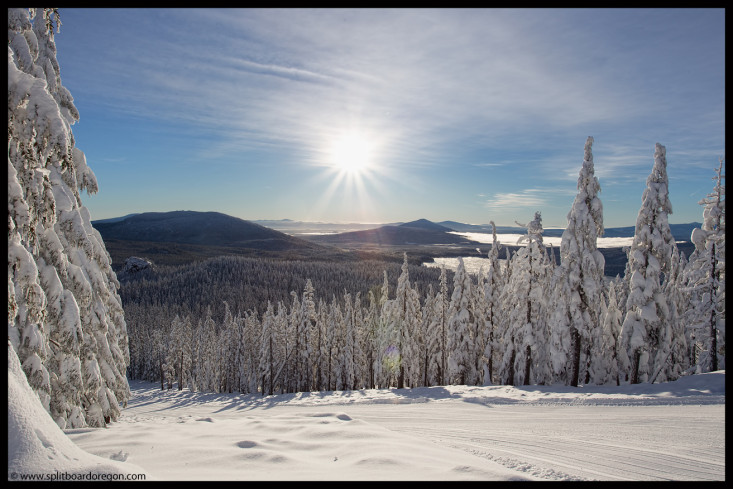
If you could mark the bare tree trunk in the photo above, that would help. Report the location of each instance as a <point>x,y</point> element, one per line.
<point>575,360</point>
<point>527,365</point>
<point>713,329</point>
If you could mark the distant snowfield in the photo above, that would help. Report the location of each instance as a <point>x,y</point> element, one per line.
<point>634,432</point>
<point>511,240</point>
<point>472,264</point>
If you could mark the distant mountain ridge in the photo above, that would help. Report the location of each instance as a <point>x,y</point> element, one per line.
<point>174,238</point>
<point>681,232</point>
<point>420,232</point>
<point>196,228</point>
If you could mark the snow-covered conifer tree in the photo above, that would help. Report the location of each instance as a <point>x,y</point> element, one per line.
<point>524,330</point>
<point>705,276</point>
<point>267,351</point>
<point>180,349</point>
<point>347,351</point>
<point>371,322</point>
<point>442,314</point>
<point>674,344</point>
<point>493,286</point>
<point>65,317</point>
<point>459,325</point>
<point>307,333</point>
<point>405,319</point>
<point>280,380</point>
<point>581,274</point>
<point>360,370</point>
<point>604,363</point>
<point>647,311</point>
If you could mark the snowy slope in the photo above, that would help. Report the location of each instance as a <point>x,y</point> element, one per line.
<point>36,445</point>
<point>641,432</point>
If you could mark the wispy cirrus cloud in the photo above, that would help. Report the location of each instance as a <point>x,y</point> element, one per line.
<point>495,89</point>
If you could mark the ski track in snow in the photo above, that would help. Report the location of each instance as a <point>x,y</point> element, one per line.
<point>673,431</point>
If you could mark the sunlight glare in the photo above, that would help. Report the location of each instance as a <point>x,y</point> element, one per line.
<point>351,154</point>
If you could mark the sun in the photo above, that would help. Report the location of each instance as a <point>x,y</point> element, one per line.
<point>351,154</point>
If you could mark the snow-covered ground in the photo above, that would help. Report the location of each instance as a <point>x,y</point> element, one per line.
<point>633,432</point>
<point>511,240</point>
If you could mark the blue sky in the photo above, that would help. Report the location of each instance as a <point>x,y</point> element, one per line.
<point>467,115</point>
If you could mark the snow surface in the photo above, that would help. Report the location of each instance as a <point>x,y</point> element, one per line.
<point>666,431</point>
<point>472,264</point>
<point>511,240</point>
<point>37,446</point>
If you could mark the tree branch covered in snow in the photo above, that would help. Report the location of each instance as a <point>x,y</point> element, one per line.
<point>65,317</point>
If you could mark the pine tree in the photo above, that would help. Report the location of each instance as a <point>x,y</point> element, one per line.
<point>267,351</point>
<point>65,317</point>
<point>493,286</point>
<point>479,330</point>
<point>705,276</point>
<point>442,314</point>
<point>347,350</point>
<point>180,349</point>
<point>647,312</point>
<point>524,329</point>
<point>604,365</point>
<point>459,325</point>
<point>582,267</point>
<point>371,347</point>
<point>673,356</point>
<point>405,319</point>
<point>307,333</point>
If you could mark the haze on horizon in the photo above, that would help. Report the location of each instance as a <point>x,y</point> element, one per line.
<point>391,115</point>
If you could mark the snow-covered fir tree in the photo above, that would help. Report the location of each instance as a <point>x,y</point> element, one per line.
<point>307,333</point>
<point>643,333</point>
<point>493,286</point>
<point>479,330</point>
<point>460,366</point>
<point>65,317</point>
<point>580,276</point>
<point>346,356</point>
<point>180,349</point>
<point>675,345</point>
<point>604,367</point>
<point>524,329</point>
<point>705,277</point>
<point>268,340</point>
<point>405,318</point>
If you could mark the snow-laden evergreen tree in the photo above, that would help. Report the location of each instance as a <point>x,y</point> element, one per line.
<point>442,315</point>
<point>428,358</point>
<point>65,317</point>
<point>229,343</point>
<point>675,344</point>
<point>371,322</point>
<point>581,268</point>
<point>209,355</point>
<point>389,354</point>
<point>180,349</point>
<point>479,330</point>
<point>405,317</point>
<point>493,285</point>
<point>346,356</point>
<point>647,312</point>
<point>281,329</point>
<point>705,276</point>
<point>559,327</point>
<point>360,371</point>
<point>459,326</point>
<point>525,333</point>
<point>307,332</point>
<point>604,363</point>
<point>268,341</point>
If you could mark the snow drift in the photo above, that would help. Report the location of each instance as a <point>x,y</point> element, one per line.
<point>36,445</point>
